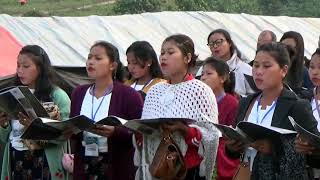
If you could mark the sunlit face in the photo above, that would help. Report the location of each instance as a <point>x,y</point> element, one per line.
<point>99,64</point>
<point>266,71</point>
<point>136,68</point>
<point>211,77</point>
<point>27,70</point>
<point>314,70</point>
<point>219,46</point>
<point>172,60</point>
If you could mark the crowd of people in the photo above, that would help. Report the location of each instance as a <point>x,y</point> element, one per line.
<point>278,83</point>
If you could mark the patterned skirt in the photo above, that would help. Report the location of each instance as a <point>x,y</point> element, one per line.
<point>96,168</point>
<point>29,165</point>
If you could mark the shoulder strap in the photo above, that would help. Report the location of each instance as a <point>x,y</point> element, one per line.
<point>250,108</point>
<point>316,100</point>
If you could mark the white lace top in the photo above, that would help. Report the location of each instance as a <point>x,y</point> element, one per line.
<point>188,99</point>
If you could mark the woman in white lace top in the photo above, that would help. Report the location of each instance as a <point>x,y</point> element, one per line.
<point>183,97</point>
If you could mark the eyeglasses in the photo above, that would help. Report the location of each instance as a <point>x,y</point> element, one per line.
<point>215,43</point>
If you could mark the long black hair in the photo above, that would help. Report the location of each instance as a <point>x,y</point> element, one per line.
<point>45,81</point>
<point>113,54</point>
<point>295,73</point>
<point>144,52</point>
<point>222,69</point>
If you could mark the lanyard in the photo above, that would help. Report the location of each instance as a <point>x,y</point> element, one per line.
<point>107,91</point>
<point>219,98</point>
<point>265,115</point>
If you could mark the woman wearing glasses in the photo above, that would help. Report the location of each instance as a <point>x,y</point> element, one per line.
<point>222,47</point>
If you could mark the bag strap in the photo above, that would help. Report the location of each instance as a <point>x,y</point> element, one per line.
<point>68,148</point>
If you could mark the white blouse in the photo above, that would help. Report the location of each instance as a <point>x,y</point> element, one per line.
<point>316,172</point>
<point>262,117</point>
<point>86,109</point>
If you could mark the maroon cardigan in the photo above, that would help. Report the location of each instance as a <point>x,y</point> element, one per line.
<point>125,103</point>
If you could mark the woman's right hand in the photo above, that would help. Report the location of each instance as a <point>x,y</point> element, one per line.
<point>234,145</point>
<point>4,120</point>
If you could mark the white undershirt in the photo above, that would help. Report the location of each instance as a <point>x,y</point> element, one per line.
<point>139,87</point>
<point>86,109</point>
<point>16,132</point>
<point>250,152</point>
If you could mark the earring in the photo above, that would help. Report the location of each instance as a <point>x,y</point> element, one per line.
<point>149,65</point>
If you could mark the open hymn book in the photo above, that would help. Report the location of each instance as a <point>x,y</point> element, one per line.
<point>47,129</point>
<point>310,137</point>
<point>248,132</point>
<point>20,99</point>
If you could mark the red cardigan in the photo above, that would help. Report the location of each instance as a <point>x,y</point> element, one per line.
<point>227,109</point>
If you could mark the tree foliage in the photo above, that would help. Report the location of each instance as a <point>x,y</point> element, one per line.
<point>300,8</point>
<point>137,6</point>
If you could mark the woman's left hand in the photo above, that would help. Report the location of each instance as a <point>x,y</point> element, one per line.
<point>103,130</point>
<point>23,119</point>
<point>176,126</point>
<point>302,146</point>
<point>264,146</point>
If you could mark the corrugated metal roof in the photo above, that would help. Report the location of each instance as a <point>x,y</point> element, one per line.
<point>68,39</point>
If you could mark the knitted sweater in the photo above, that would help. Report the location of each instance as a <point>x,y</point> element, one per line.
<point>190,99</point>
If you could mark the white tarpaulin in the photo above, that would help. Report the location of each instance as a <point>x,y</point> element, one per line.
<point>68,39</point>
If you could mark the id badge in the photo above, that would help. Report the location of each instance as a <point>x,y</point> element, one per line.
<point>91,146</point>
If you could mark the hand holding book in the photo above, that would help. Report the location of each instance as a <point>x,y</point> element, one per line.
<point>302,146</point>
<point>176,126</point>
<point>4,119</point>
<point>103,130</point>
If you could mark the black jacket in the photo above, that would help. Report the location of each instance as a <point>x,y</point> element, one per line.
<point>288,104</point>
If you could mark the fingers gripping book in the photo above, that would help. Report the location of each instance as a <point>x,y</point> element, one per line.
<point>313,139</point>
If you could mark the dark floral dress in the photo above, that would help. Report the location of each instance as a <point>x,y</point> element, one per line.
<point>286,164</point>
<point>29,165</point>
<point>96,167</point>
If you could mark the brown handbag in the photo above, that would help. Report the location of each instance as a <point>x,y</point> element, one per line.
<point>168,162</point>
<point>243,172</point>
